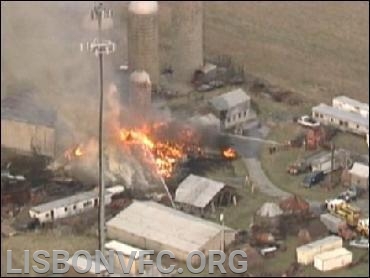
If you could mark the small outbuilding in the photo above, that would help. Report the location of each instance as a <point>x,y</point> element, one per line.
<point>360,175</point>
<point>333,259</point>
<point>232,109</point>
<point>201,195</point>
<point>307,252</point>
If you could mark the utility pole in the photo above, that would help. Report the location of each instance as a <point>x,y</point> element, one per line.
<point>100,47</point>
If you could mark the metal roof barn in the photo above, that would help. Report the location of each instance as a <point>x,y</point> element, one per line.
<point>197,191</point>
<point>153,226</point>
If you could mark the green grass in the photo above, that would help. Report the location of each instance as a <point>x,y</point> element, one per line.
<point>275,165</point>
<point>44,240</point>
<point>355,143</point>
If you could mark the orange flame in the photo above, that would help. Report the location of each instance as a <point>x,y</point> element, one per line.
<point>78,151</point>
<point>229,153</point>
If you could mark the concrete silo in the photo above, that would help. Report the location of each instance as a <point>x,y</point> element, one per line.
<point>140,92</point>
<point>143,41</point>
<point>187,24</point>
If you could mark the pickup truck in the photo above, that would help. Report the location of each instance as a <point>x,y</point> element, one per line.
<point>307,121</point>
<point>313,178</point>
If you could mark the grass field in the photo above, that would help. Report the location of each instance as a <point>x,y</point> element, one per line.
<point>275,165</point>
<point>319,49</point>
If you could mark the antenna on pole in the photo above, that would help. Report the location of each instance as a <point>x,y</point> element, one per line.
<point>99,47</point>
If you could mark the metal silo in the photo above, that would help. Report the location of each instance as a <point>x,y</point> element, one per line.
<point>187,24</point>
<point>143,42</point>
<point>140,92</point>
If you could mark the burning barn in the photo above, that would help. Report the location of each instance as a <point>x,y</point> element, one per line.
<point>27,127</point>
<point>201,195</point>
<point>151,226</point>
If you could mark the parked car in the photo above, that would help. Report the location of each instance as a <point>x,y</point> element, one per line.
<point>308,121</point>
<point>313,178</point>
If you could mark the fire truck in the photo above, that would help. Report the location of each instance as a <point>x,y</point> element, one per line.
<point>350,214</point>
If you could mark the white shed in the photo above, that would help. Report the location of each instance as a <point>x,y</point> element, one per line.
<point>333,259</point>
<point>360,175</point>
<point>126,251</point>
<point>307,252</point>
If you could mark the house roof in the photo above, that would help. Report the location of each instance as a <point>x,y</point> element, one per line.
<point>341,114</point>
<point>166,226</point>
<point>360,170</point>
<point>23,107</point>
<point>230,99</point>
<point>197,191</point>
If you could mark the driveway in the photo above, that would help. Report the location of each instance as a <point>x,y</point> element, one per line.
<point>249,149</point>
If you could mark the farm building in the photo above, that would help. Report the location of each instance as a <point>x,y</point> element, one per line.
<point>360,175</point>
<point>307,252</point>
<point>333,259</point>
<point>341,119</point>
<point>126,250</point>
<point>152,226</point>
<point>201,195</point>
<point>322,162</point>
<point>72,205</point>
<point>233,109</point>
<point>351,105</point>
<point>27,126</point>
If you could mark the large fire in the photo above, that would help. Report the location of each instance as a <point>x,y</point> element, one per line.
<point>161,152</point>
<point>165,154</point>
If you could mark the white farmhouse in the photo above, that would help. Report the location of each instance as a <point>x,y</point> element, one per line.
<point>233,109</point>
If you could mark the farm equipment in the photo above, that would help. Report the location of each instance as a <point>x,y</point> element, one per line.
<point>350,214</point>
<point>298,167</point>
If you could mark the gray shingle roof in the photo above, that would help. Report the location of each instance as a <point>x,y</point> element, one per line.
<point>230,99</point>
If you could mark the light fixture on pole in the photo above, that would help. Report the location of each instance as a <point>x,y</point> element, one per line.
<point>100,47</point>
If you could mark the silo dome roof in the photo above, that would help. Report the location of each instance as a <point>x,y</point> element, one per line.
<point>143,7</point>
<point>140,77</point>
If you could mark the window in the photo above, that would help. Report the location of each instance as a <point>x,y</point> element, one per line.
<point>65,209</point>
<point>357,126</point>
<point>340,122</point>
<point>331,119</point>
<point>74,206</point>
